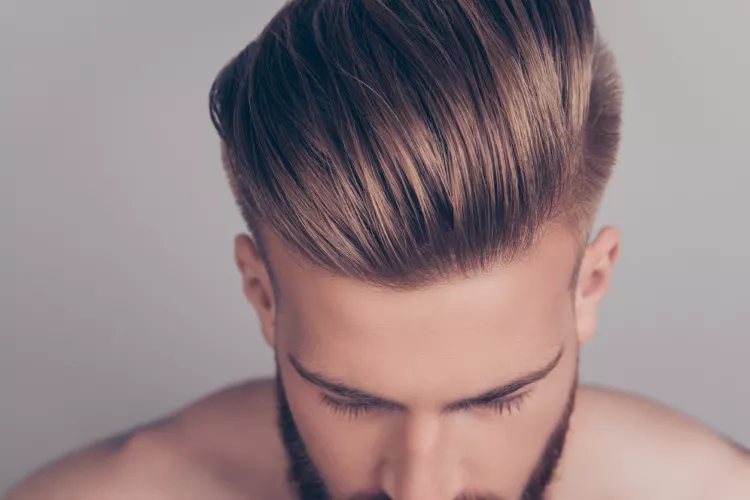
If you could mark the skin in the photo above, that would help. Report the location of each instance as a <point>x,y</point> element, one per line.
<point>423,351</point>
<point>419,353</point>
<point>310,483</point>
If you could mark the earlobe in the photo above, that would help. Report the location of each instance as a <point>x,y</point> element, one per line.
<point>256,285</point>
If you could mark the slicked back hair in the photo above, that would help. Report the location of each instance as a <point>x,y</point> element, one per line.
<point>401,142</point>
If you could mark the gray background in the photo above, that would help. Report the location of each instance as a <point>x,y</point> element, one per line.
<point>120,300</point>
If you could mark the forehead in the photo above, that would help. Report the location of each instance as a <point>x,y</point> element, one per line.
<point>511,297</point>
<point>503,323</point>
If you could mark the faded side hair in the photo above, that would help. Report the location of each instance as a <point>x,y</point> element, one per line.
<point>400,142</point>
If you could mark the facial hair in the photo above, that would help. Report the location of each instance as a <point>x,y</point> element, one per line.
<point>309,484</point>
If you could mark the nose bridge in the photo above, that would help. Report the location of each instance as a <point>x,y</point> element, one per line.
<point>422,463</point>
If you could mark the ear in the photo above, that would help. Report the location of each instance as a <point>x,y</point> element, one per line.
<point>594,278</point>
<point>257,285</point>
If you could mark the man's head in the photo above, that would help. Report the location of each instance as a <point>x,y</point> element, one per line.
<point>420,178</point>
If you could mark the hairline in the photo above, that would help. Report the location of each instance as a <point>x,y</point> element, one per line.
<point>262,248</point>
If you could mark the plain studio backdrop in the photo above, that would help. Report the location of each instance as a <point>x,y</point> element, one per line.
<point>119,297</point>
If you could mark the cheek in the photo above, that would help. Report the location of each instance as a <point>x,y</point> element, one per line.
<point>505,450</point>
<point>345,451</point>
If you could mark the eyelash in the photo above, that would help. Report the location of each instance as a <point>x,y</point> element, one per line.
<point>500,406</point>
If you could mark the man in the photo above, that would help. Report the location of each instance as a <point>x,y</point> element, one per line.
<point>420,178</point>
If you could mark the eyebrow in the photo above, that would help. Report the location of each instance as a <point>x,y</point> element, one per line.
<point>360,397</point>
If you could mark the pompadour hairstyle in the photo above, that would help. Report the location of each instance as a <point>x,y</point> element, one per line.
<point>400,142</point>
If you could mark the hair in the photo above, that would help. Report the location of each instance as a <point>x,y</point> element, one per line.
<point>401,142</point>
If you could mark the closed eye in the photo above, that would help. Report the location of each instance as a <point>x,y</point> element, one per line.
<point>351,410</point>
<point>501,406</point>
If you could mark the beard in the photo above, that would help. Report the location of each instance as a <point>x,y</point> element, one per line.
<point>309,484</point>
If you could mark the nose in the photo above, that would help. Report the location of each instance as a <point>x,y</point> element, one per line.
<point>421,463</point>
<point>416,480</point>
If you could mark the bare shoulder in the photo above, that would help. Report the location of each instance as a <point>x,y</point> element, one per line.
<point>652,451</point>
<point>78,475</point>
<point>223,446</point>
